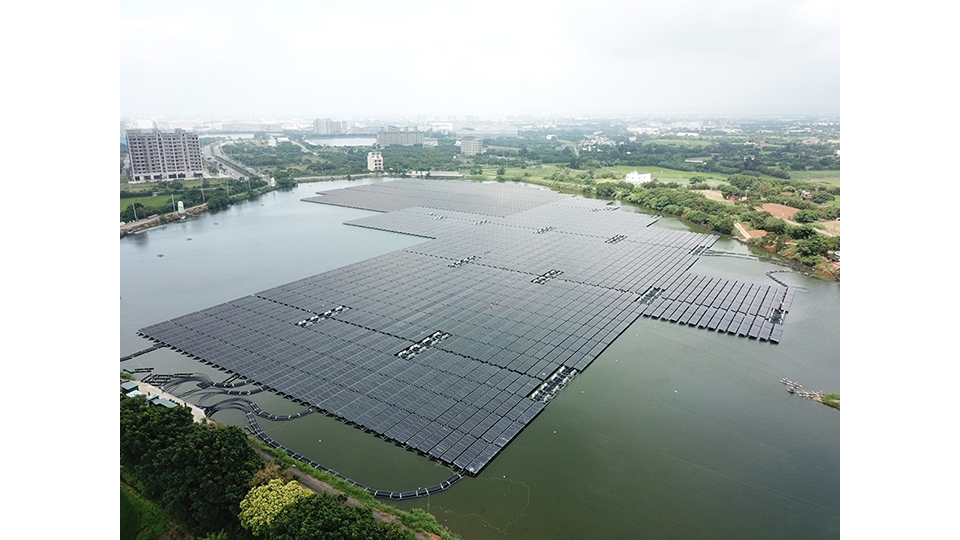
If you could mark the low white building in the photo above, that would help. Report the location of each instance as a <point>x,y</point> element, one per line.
<point>635,177</point>
<point>374,161</point>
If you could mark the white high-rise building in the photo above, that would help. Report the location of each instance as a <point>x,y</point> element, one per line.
<point>471,146</point>
<point>393,135</point>
<point>374,161</point>
<point>326,126</point>
<point>163,155</point>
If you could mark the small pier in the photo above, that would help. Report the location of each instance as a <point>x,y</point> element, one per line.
<point>138,353</point>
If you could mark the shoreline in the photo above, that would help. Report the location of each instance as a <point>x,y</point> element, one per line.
<point>198,415</point>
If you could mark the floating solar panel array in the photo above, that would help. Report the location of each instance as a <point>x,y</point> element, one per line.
<point>452,346</point>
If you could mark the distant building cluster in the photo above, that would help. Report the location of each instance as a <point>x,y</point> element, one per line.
<point>593,143</point>
<point>326,126</point>
<point>471,146</point>
<point>635,177</point>
<point>393,135</point>
<point>374,161</point>
<point>163,155</point>
<point>251,126</point>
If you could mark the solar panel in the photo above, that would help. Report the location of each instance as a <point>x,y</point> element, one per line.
<point>439,345</point>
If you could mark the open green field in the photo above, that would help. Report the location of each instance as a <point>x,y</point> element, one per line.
<point>665,175</point>
<point>681,142</point>
<point>159,185</point>
<point>148,188</point>
<point>827,178</point>
<point>149,202</point>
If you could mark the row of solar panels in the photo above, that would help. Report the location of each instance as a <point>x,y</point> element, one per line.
<point>461,399</point>
<point>453,195</point>
<point>724,305</point>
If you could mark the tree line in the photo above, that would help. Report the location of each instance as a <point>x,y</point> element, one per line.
<point>211,481</point>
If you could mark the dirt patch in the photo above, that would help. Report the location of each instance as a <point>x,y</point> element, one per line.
<point>832,227</point>
<point>712,194</point>
<point>779,210</point>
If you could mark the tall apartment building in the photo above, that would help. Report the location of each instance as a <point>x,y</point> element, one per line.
<point>471,146</point>
<point>374,161</point>
<point>163,155</point>
<point>403,137</point>
<point>326,126</point>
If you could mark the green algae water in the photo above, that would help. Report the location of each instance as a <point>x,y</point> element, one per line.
<point>672,432</point>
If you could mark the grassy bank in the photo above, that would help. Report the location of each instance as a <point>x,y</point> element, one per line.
<point>417,519</point>
<point>832,400</point>
<point>141,519</point>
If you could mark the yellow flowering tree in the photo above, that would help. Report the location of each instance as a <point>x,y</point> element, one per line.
<point>263,503</point>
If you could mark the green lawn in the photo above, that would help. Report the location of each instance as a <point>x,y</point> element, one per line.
<point>681,141</point>
<point>141,519</point>
<point>665,175</point>
<point>149,202</point>
<point>828,178</point>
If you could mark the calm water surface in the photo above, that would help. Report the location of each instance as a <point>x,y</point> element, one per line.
<point>672,432</point>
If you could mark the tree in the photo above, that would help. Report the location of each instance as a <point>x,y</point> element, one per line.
<point>144,429</point>
<point>802,232</point>
<point>325,517</point>
<point>133,212</point>
<point>806,216</point>
<point>821,197</point>
<point>262,504</point>
<point>696,216</point>
<point>723,225</point>
<point>811,250</point>
<point>218,200</point>
<point>774,225</point>
<point>203,476</point>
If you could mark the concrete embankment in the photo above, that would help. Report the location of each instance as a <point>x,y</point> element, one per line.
<point>144,224</point>
<point>150,390</point>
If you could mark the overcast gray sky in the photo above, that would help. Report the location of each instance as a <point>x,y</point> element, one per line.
<point>246,59</point>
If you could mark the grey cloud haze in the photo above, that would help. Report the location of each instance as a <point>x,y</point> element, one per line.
<point>285,59</point>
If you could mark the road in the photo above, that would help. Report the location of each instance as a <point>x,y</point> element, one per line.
<point>212,151</point>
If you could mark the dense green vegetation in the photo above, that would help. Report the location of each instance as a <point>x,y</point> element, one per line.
<point>768,161</point>
<point>198,473</point>
<point>321,516</point>
<point>832,400</point>
<point>181,479</point>
<point>160,197</point>
<point>141,519</point>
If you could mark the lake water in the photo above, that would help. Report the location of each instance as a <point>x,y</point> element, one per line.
<point>672,432</point>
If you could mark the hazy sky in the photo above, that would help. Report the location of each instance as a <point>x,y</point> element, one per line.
<point>246,59</point>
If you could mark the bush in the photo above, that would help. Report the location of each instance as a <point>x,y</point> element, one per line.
<point>806,216</point>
